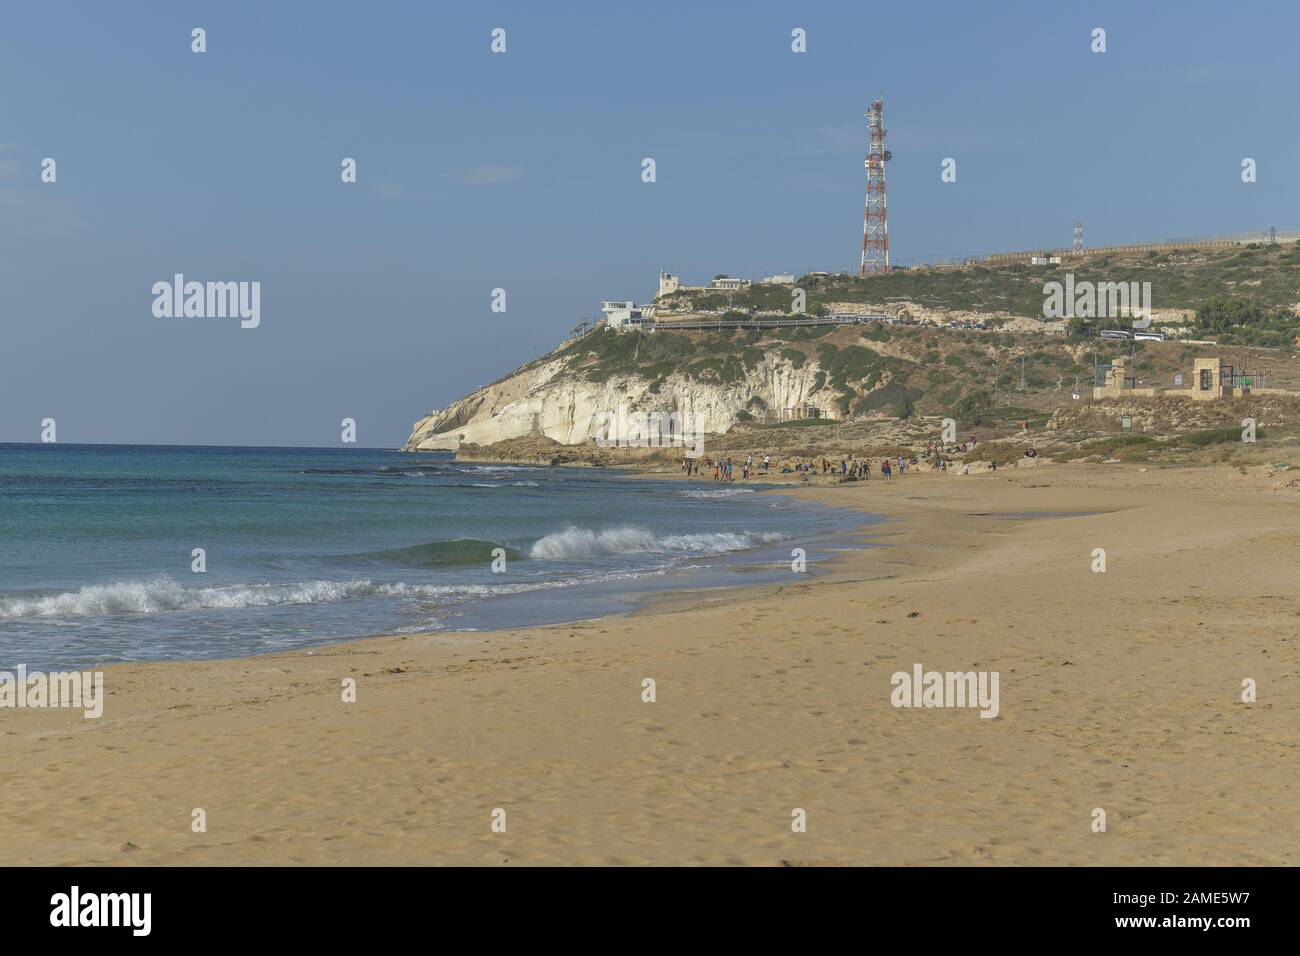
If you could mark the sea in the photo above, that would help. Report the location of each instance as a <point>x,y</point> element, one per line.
<point>126,553</point>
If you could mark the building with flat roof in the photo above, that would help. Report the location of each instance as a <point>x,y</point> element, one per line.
<point>627,316</point>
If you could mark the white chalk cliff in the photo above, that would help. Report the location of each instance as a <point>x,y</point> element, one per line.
<point>554,400</point>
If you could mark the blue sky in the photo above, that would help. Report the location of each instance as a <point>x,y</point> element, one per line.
<point>522,171</point>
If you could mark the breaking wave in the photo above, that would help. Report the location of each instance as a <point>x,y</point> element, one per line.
<point>165,594</point>
<point>574,543</point>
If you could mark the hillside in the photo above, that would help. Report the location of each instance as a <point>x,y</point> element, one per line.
<point>1181,282</point>
<point>914,365</point>
<point>862,371</point>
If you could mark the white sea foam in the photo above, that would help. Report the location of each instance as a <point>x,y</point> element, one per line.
<point>718,493</point>
<point>572,543</point>
<point>163,595</point>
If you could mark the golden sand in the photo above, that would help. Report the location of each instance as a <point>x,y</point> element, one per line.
<point>1118,690</point>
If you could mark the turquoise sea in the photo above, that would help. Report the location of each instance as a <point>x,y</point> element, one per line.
<point>306,546</point>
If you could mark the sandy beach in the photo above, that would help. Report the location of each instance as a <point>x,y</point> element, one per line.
<point>1119,690</point>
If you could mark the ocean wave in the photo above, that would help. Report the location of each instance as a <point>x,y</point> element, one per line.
<point>460,551</point>
<point>502,484</point>
<point>416,470</point>
<point>718,493</point>
<point>572,543</point>
<point>165,594</point>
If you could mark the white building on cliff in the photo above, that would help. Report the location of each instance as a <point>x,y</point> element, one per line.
<point>628,316</point>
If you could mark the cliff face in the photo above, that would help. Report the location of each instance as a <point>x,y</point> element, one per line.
<point>552,400</point>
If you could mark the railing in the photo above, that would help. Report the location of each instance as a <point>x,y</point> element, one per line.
<point>1235,379</point>
<point>750,322</point>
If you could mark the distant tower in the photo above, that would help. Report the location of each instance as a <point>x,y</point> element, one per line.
<point>875,222</point>
<point>1272,235</point>
<point>1078,237</point>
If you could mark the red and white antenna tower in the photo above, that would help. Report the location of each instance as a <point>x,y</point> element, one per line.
<point>875,222</point>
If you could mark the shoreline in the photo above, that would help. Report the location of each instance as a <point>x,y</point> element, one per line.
<point>1119,690</point>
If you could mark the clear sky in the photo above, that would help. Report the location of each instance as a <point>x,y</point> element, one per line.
<point>522,171</point>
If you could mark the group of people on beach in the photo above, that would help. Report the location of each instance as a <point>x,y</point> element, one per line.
<point>850,468</point>
<point>724,468</point>
<point>854,469</point>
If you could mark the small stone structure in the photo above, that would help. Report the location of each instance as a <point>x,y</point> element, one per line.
<point>1118,382</point>
<point>1211,379</point>
<point>1207,379</point>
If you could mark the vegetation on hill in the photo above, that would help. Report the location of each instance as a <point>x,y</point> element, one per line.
<point>1247,322</point>
<point>900,371</point>
<point>1265,274</point>
<point>1244,297</point>
<point>863,370</point>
